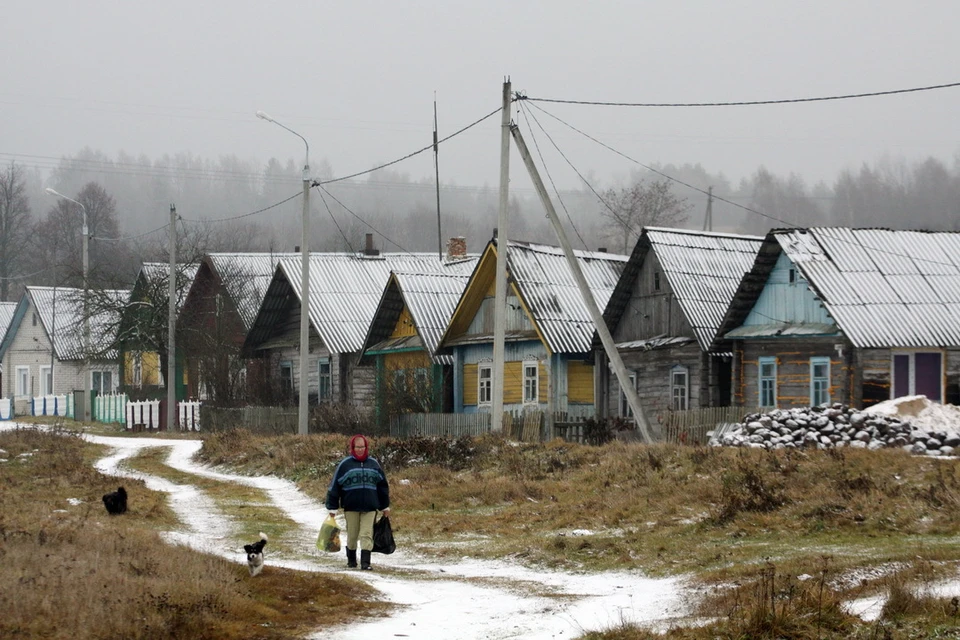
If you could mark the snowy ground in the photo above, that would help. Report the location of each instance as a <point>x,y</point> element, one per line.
<point>468,599</point>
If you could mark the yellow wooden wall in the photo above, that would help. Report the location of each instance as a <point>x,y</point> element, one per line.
<point>579,382</point>
<point>513,387</point>
<point>404,326</point>
<point>151,368</point>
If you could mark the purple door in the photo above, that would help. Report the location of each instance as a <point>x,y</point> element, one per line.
<point>928,375</point>
<point>901,376</point>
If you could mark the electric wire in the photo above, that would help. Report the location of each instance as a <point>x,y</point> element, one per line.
<point>245,215</point>
<point>372,228</point>
<point>549,176</point>
<point>122,238</point>
<point>744,103</point>
<point>335,223</point>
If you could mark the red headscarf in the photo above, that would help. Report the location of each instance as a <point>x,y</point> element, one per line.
<point>359,455</point>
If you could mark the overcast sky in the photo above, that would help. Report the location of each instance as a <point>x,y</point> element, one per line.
<point>358,79</point>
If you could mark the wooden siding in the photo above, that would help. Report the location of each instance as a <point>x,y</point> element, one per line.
<point>404,326</point>
<point>150,368</point>
<point>513,383</point>
<point>652,312</point>
<point>579,382</point>
<point>793,371</point>
<point>470,384</point>
<point>784,301</point>
<point>516,317</point>
<point>406,360</point>
<point>653,369</point>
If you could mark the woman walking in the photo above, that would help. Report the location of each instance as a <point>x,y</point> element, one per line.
<point>360,487</point>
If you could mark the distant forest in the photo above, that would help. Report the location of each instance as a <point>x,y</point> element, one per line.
<point>133,195</point>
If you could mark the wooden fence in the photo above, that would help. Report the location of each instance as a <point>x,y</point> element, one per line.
<point>439,424</point>
<point>264,420</point>
<point>692,426</point>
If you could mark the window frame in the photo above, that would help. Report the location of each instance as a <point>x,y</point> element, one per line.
<point>531,383</point>
<point>286,380</point>
<point>623,407</point>
<point>46,371</point>
<point>99,388</point>
<point>324,381</point>
<point>761,379</point>
<point>685,387</point>
<point>484,384</point>
<point>22,375</point>
<point>814,380</point>
<point>137,369</point>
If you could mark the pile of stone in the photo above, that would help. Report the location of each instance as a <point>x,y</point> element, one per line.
<point>832,426</point>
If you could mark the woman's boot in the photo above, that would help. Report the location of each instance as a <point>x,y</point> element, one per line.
<point>365,559</point>
<point>351,558</point>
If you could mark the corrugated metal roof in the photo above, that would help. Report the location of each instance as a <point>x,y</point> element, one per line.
<point>67,331</point>
<point>431,299</point>
<point>551,294</point>
<point>884,288</point>
<point>345,289</point>
<point>154,272</point>
<point>704,270</point>
<point>6,316</point>
<point>246,277</point>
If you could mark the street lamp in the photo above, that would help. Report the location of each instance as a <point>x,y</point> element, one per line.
<point>86,315</point>
<point>304,281</point>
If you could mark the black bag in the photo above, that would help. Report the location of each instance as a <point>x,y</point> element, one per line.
<point>383,536</point>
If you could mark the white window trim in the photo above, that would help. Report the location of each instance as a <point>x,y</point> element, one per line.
<point>102,373</point>
<point>813,363</point>
<point>138,369</point>
<point>22,373</point>
<point>623,407</point>
<point>321,377</point>
<point>480,384</point>
<point>287,365</point>
<point>686,386</point>
<point>760,362</point>
<point>45,370</point>
<point>536,381</point>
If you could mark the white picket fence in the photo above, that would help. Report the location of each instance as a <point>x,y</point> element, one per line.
<point>110,407</point>
<point>145,414</point>
<point>52,406</point>
<point>6,409</point>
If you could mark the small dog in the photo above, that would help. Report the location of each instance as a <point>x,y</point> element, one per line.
<point>255,554</point>
<point>116,502</point>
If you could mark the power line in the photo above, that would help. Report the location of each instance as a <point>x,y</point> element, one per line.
<point>245,215</point>
<point>372,228</point>
<point>121,238</point>
<point>335,223</point>
<point>746,103</point>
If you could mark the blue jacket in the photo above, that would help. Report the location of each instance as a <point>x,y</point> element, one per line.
<point>358,486</point>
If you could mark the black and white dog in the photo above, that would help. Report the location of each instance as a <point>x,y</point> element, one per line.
<point>116,502</point>
<point>255,554</point>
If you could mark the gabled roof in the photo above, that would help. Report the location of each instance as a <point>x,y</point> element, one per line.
<point>883,287</point>
<point>430,299</point>
<point>152,273</point>
<point>703,269</point>
<point>67,329</point>
<point>6,316</point>
<point>542,279</point>
<point>345,290</point>
<point>246,277</point>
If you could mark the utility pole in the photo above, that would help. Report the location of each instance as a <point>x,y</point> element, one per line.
<point>708,218</point>
<point>172,322</point>
<point>500,300</point>
<point>436,170</point>
<point>609,346</point>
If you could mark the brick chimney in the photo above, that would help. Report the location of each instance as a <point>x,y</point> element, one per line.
<point>457,248</point>
<point>368,250</point>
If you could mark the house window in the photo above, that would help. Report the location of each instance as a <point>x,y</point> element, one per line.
<point>679,388</point>
<point>46,381</point>
<point>792,275</point>
<point>768,382</point>
<point>531,375</point>
<point>819,381</point>
<point>102,382</point>
<point>34,319</point>
<point>625,411</point>
<point>917,373</point>
<point>138,370</point>
<point>484,384</point>
<point>324,380</point>
<point>23,381</point>
<point>286,378</point>
<point>656,281</point>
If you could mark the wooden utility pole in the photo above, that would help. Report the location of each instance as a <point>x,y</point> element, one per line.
<point>708,218</point>
<point>172,322</point>
<point>500,301</point>
<point>609,346</point>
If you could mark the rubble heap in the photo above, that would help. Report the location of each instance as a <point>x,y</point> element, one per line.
<point>837,425</point>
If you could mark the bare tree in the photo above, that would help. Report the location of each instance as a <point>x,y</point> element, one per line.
<point>644,204</point>
<point>15,225</point>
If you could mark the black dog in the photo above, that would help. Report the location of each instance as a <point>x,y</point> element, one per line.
<point>116,502</point>
<point>255,554</point>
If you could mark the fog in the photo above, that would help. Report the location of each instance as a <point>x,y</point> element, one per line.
<point>156,103</point>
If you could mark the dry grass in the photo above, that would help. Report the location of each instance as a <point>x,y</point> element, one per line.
<point>72,571</point>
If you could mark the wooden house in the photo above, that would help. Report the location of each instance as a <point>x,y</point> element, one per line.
<point>6,317</point>
<point>214,319</point>
<point>345,290</point>
<point>548,358</point>
<point>43,349</point>
<point>413,313</point>
<point>664,315</point>
<point>845,315</point>
<point>142,341</point>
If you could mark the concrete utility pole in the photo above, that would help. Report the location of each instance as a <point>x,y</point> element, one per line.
<point>609,346</point>
<point>172,322</point>
<point>304,386</point>
<point>500,300</point>
<point>708,218</point>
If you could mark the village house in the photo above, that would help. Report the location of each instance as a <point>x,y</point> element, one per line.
<point>664,315</point>
<point>43,348</point>
<point>6,317</point>
<point>345,289</point>
<point>856,316</point>
<point>142,340</point>
<point>548,356</point>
